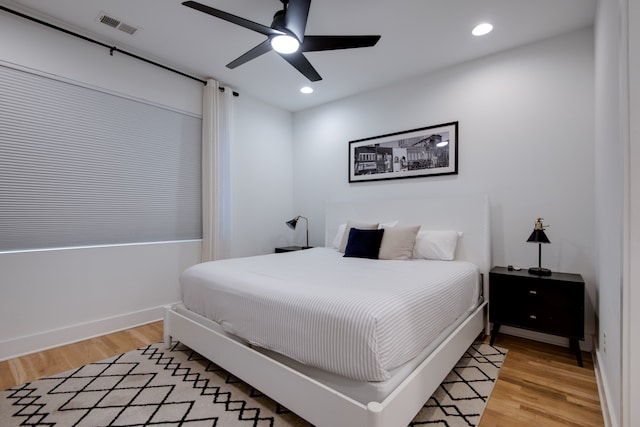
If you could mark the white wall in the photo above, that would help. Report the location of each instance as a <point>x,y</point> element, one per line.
<point>631,389</point>
<point>618,200</point>
<point>262,182</point>
<point>53,297</point>
<point>609,149</point>
<point>34,46</point>
<point>526,139</point>
<point>632,351</point>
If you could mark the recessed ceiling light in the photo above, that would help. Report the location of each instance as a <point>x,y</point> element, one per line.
<point>306,89</point>
<point>482,29</point>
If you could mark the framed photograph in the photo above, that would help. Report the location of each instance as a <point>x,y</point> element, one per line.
<point>414,153</point>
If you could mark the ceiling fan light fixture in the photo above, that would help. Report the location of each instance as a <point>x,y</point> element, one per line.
<point>285,44</point>
<point>482,29</point>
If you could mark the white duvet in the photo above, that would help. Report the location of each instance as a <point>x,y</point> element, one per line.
<point>355,317</point>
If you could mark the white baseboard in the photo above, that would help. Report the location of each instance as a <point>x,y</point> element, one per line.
<point>21,346</point>
<point>603,392</point>
<point>585,345</point>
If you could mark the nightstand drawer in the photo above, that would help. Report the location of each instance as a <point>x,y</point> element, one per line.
<point>540,318</point>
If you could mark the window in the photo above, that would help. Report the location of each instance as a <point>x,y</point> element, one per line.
<point>81,167</point>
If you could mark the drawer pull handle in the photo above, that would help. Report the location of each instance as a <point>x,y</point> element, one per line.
<point>533,292</point>
<point>532,316</point>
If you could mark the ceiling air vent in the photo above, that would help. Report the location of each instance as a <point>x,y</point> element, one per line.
<point>116,23</point>
<point>129,29</point>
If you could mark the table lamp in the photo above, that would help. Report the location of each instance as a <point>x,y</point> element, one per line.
<point>293,222</point>
<point>538,236</point>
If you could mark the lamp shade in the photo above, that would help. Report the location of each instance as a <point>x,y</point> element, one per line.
<point>292,223</point>
<point>538,236</point>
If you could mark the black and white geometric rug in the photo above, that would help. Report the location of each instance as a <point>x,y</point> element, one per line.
<point>153,386</point>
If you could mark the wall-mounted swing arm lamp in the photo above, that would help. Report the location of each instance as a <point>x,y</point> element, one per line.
<point>538,236</point>
<point>293,222</point>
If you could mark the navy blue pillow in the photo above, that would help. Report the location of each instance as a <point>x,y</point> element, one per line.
<point>363,243</point>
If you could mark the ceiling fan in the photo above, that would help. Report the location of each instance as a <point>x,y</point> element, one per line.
<point>286,36</point>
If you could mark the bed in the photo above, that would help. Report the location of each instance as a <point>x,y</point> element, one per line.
<point>395,370</point>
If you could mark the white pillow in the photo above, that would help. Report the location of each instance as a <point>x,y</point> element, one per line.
<point>438,245</point>
<point>388,224</point>
<point>398,242</point>
<point>338,237</point>
<point>347,229</point>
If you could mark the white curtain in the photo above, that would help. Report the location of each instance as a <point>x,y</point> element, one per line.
<point>217,134</point>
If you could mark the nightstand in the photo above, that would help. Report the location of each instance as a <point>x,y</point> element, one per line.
<point>549,304</point>
<point>291,248</point>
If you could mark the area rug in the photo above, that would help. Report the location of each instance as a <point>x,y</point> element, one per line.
<point>153,386</point>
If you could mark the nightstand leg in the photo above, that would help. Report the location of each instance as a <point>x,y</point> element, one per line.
<point>575,346</point>
<point>494,332</point>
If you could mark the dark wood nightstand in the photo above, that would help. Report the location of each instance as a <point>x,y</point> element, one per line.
<point>291,248</point>
<point>550,304</point>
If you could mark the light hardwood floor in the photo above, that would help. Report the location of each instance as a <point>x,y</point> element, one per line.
<point>46,363</point>
<point>542,385</point>
<point>539,384</point>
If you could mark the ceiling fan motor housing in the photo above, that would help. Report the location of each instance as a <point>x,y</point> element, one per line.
<point>279,22</point>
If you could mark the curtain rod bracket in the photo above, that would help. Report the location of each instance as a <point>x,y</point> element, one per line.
<point>112,49</point>
<point>221,89</point>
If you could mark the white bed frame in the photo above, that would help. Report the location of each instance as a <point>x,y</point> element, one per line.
<point>314,401</point>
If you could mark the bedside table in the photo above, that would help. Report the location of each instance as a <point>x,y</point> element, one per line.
<point>550,304</point>
<point>291,248</point>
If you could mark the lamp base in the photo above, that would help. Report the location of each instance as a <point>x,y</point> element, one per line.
<point>539,271</point>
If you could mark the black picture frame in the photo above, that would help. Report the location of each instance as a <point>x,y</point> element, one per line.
<point>427,151</point>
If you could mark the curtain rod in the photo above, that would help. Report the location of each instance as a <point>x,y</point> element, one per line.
<point>111,48</point>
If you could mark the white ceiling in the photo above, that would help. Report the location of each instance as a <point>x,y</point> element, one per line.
<point>418,36</point>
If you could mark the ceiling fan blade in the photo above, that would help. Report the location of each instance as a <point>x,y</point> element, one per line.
<point>301,64</point>
<point>296,17</point>
<point>318,43</point>
<point>261,49</point>
<point>254,26</point>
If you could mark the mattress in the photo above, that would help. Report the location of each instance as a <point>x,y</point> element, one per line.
<point>357,318</point>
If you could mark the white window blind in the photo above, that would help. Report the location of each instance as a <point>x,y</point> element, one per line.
<point>80,167</point>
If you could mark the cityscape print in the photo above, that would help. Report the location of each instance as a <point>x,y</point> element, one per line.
<point>419,152</point>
